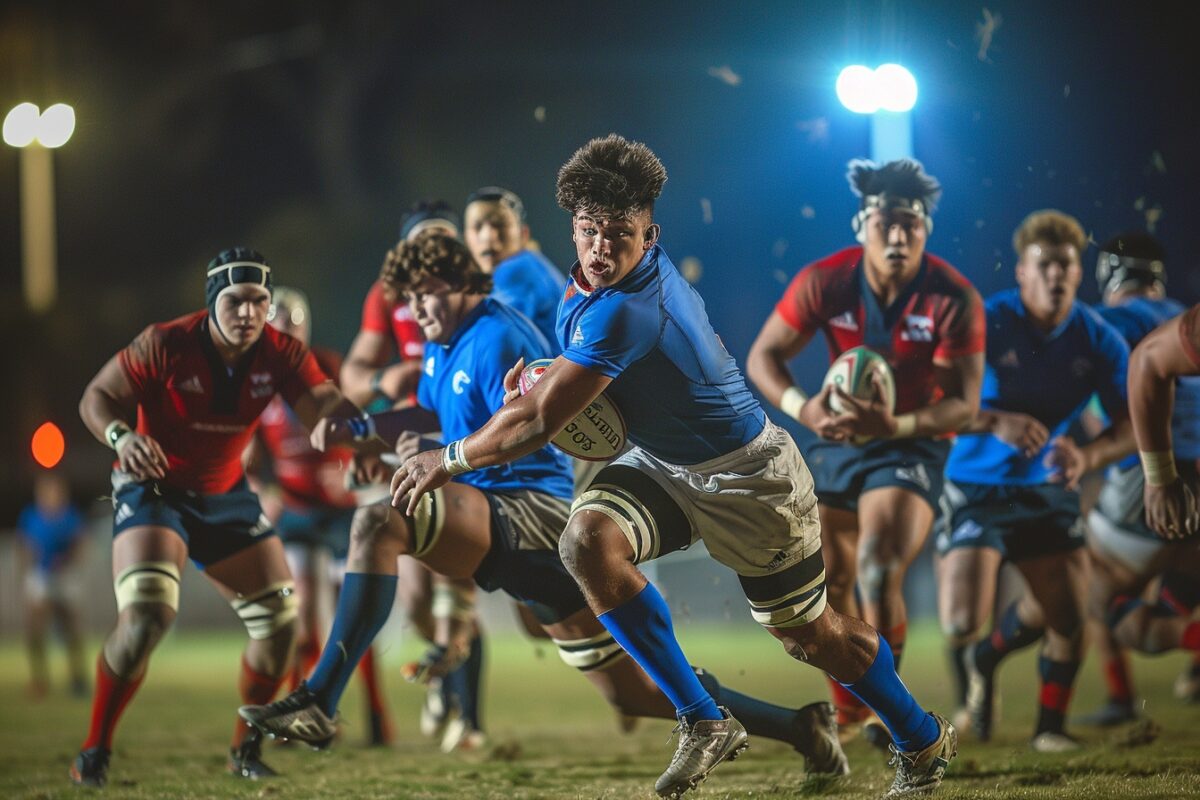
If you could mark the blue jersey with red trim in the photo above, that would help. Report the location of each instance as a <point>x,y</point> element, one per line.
<point>938,317</point>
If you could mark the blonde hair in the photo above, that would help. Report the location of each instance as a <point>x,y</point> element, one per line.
<point>1051,227</point>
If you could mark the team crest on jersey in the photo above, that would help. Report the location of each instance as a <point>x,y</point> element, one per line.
<point>845,321</point>
<point>260,385</point>
<point>1010,359</point>
<point>429,366</point>
<point>917,328</point>
<point>460,380</point>
<point>577,336</point>
<point>571,291</point>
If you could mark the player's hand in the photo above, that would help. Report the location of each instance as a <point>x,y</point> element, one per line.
<point>142,457</point>
<point>437,662</point>
<point>865,418</point>
<point>1067,462</point>
<point>1171,510</point>
<point>1020,431</point>
<point>512,380</point>
<point>366,470</point>
<point>418,475</point>
<point>816,416</point>
<point>328,432</point>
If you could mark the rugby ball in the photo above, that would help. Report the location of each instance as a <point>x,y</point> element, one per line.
<point>597,434</point>
<point>854,373</point>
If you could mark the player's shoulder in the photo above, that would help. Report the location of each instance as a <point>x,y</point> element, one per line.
<point>328,359</point>
<point>281,346</point>
<point>945,278</point>
<point>837,266</point>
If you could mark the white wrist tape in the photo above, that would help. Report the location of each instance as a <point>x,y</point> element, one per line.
<point>1158,466</point>
<point>117,434</point>
<point>792,401</point>
<point>454,461</point>
<point>905,425</point>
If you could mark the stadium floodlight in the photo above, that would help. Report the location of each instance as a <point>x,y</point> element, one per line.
<point>21,125</point>
<point>888,87</point>
<point>56,125</point>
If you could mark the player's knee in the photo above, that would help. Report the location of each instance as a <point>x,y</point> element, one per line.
<point>141,626</point>
<point>591,653</point>
<point>589,542</point>
<point>368,525</point>
<point>961,626</point>
<point>270,613</point>
<point>878,573</point>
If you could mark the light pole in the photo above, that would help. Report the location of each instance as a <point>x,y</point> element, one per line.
<point>36,134</point>
<point>888,93</point>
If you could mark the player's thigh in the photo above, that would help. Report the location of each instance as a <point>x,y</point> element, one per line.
<point>894,524</point>
<point>1058,582</point>
<point>452,530</point>
<point>839,533</point>
<point>147,544</point>
<point>966,588</point>
<point>415,585</point>
<point>251,569</point>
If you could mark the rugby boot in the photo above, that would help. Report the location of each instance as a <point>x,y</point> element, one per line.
<point>91,768</point>
<point>701,747</point>
<point>1110,714</point>
<point>245,760</point>
<point>817,740</point>
<point>1054,742</point>
<point>462,737</point>
<point>921,772</point>
<point>296,716</point>
<point>1187,685</point>
<point>435,712</point>
<point>981,698</point>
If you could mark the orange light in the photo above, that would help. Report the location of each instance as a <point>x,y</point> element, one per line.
<point>48,445</point>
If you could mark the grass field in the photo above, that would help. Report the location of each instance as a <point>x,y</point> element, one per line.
<point>553,737</point>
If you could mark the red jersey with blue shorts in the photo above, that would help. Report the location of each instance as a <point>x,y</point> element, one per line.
<point>938,317</point>
<point>381,316</point>
<point>203,414</point>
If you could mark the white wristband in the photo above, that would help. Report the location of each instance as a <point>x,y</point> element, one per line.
<point>117,434</point>
<point>792,401</point>
<point>905,425</point>
<point>454,461</point>
<point>1158,466</point>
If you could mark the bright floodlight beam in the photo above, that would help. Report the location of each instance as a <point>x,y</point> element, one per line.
<point>21,125</point>
<point>888,87</point>
<point>56,125</point>
<point>856,89</point>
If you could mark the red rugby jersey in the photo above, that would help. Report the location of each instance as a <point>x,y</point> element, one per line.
<point>938,316</point>
<point>307,477</point>
<point>381,316</point>
<point>202,414</point>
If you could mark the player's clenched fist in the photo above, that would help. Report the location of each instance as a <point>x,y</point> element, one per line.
<point>142,457</point>
<point>1021,431</point>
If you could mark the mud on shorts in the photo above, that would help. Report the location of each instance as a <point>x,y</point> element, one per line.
<point>213,526</point>
<point>1022,522</point>
<point>843,472</point>
<point>523,560</point>
<point>754,508</point>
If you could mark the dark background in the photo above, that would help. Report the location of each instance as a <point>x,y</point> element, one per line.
<point>304,129</point>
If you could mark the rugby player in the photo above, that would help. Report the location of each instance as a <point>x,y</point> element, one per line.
<point>313,509</point>
<point>1012,473</point>
<point>877,500</point>
<point>630,325</point>
<point>50,537</point>
<point>498,525</point>
<point>179,406</point>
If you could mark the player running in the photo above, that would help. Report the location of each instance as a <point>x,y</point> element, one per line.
<point>1012,474</point>
<point>706,462</point>
<point>499,525</point>
<point>877,500</point>
<point>179,406</point>
<point>306,499</point>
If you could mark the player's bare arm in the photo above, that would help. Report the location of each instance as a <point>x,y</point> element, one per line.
<point>109,410</point>
<point>524,425</point>
<point>368,371</point>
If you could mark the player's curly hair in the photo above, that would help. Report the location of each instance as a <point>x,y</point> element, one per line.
<point>903,177</point>
<point>611,176</point>
<point>1049,226</point>
<point>433,254</point>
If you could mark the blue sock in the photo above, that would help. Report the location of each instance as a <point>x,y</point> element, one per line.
<point>363,606</point>
<point>643,627</point>
<point>473,678</point>
<point>912,727</point>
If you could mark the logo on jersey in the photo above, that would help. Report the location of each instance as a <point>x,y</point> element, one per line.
<point>192,385</point>
<point>1010,359</point>
<point>917,329</point>
<point>260,385</point>
<point>460,380</point>
<point>429,366</point>
<point>1081,367</point>
<point>845,321</point>
<point>402,313</point>
<point>577,336</point>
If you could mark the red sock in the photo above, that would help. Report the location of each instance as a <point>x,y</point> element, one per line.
<point>370,678</point>
<point>895,639</point>
<point>255,689</point>
<point>308,652</point>
<point>1191,637</point>
<point>111,696</point>
<point>849,708</point>
<point>1116,676</point>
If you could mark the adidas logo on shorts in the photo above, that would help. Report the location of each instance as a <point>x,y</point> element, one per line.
<point>123,513</point>
<point>916,475</point>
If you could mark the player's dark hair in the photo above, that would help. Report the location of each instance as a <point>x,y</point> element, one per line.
<point>611,177</point>
<point>433,254</point>
<point>237,254</point>
<point>1136,244</point>
<point>424,210</point>
<point>498,194</point>
<point>903,177</point>
<point>1052,227</point>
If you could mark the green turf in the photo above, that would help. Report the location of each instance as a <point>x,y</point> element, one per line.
<point>552,736</point>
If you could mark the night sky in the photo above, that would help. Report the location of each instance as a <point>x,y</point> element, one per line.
<point>305,129</point>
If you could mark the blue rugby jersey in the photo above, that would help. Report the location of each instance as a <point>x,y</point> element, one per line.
<point>49,538</point>
<point>462,381</point>
<point>532,285</point>
<point>1048,376</point>
<point>1135,318</point>
<point>680,392</point>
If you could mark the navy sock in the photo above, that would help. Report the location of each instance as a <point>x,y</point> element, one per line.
<point>472,670</point>
<point>759,717</point>
<point>1009,635</point>
<point>642,626</point>
<point>958,672</point>
<point>363,606</point>
<point>912,727</point>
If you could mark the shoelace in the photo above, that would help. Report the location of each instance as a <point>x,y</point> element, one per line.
<point>685,734</point>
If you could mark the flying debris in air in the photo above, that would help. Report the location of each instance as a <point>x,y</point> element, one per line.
<point>706,210</point>
<point>816,129</point>
<point>725,74</point>
<point>539,113</point>
<point>985,31</point>
<point>808,212</point>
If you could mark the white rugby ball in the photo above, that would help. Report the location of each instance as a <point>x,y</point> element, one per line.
<point>597,434</point>
<point>854,373</point>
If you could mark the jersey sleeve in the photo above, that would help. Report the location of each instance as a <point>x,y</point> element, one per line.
<point>962,330</point>
<point>302,370</point>
<point>801,302</point>
<point>1189,334</point>
<point>1111,380</point>
<point>609,337</point>
<point>144,358</point>
<point>375,311</point>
